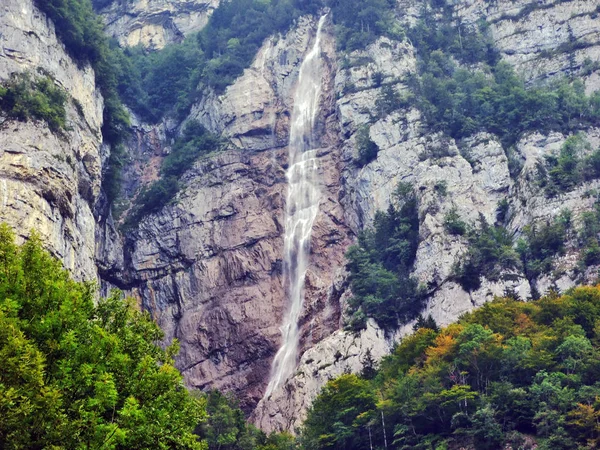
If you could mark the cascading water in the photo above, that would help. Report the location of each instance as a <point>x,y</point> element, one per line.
<point>302,207</point>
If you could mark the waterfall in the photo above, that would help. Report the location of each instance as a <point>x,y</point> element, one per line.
<point>301,209</point>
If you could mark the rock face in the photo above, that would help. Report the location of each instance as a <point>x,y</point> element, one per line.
<point>541,39</point>
<point>538,40</point>
<point>208,265</point>
<point>155,23</point>
<point>50,182</point>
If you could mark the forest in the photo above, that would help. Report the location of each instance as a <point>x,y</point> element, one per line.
<point>510,373</point>
<point>84,374</point>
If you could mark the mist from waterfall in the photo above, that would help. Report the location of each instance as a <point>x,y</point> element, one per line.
<point>301,209</point>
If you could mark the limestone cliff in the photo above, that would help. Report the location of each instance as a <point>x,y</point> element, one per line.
<point>538,41</point>
<point>51,182</point>
<point>208,265</point>
<point>153,24</point>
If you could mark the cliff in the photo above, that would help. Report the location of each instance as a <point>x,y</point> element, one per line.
<point>50,181</point>
<point>208,266</point>
<point>154,24</point>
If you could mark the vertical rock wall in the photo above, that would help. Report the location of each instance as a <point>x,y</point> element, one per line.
<point>49,181</point>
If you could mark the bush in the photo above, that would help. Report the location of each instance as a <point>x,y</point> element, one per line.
<point>492,97</point>
<point>359,22</point>
<point>82,32</point>
<point>541,243</point>
<point>454,224</point>
<point>173,78</point>
<point>502,211</point>
<point>563,172</point>
<point>388,101</point>
<point>367,149</point>
<point>194,142</point>
<point>24,98</point>
<point>490,252</point>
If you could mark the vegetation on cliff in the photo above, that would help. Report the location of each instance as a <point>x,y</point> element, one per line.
<point>379,266</point>
<point>503,374</point>
<point>24,97</point>
<point>194,142</point>
<point>82,32</point>
<point>173,78</point>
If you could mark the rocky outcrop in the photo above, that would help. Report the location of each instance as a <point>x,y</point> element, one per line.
<point>50,182</point>
<point>542,39</point>
<point>154,24</point>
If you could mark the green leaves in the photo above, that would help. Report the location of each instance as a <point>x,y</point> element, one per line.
<point>507,370</point>
<point>78,375</point>
<point>24,98</point>
<point>379,266</point>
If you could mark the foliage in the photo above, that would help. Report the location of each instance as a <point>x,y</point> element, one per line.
<point>506,371</point>
<point>563,172</point>
<point>491,97</point>
<point>388,100</point>
<point>588,238</point>
<point>82,33</point>
<point>227,429</point>
<point>462,102</point>
<point>454,224</point>
<point>76,374</point>
<point>541,243</point>
<point>380,263</point>
<point>367,149</point>
<point>502,211</point>
<point>170,80</point>
<point>490,253</point>
<point>340,415</point>
<point>23,98</point>
<point>360,22</point>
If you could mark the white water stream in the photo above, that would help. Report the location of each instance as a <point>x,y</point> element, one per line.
<point>302,207</point>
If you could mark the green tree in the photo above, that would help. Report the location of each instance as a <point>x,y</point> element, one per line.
<point>76,374</point>
<point>338,418</point>
<point>367,149</point>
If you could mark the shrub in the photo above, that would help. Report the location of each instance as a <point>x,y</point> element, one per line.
<point>388,101</point>
<point>24,98</point>
<point>564,171</point>
<point>490,252</point>
<point>194,142</point>
<point>492,97</point>
<point>379,266</point>
<point>359,22</point>
<point>454,224</point>
<point>502,211</point>
<point>541,243</point>
<point>82,32</point>
<point>367,149</point>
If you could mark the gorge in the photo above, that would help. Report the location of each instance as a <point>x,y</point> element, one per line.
<point>245,265</point>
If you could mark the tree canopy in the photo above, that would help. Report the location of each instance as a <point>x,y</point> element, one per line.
<point>81,374</point>
<point>510,373</point>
